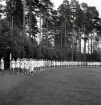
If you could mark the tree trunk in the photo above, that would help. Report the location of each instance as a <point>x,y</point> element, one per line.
<point>65,40</point>
<point>24,6</point>
<point>47,33</point>
<point>40,33</point>
<point>88,46</point>
<point>85,50</point>
<point>54,36</point>
<point>30,18</point>
<point>91,45</point>
<point>11,27</point>
<point>61,36</point>
<point>73,45</point>
<point>80,45</point>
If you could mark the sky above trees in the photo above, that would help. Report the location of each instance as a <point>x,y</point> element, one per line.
<point>96,3</point>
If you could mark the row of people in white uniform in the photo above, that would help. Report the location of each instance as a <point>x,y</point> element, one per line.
<point>29,66</point>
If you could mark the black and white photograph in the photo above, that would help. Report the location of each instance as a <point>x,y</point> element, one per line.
<point>50,52</point>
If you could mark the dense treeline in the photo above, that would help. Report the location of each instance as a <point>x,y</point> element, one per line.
<point>62,33</point>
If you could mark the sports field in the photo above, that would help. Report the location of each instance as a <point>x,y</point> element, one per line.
<point>68,86</point>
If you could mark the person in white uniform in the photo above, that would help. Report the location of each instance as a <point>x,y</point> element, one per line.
<point>2,65</point>
<point>31,67</point>
<point>18,66</point>
<point>13,66</point>
<point>35,65</point>
<point>26,67</point>
<point>22,66</point>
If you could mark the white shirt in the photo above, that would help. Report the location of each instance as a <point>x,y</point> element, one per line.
<point>13,64</point>
<point>2,64</point>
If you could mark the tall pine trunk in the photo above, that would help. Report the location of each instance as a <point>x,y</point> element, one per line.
<point>88,46</point>
<point>47,33</point>
<point>85,40</point>
<point>54,36</point>
<point>65,40</point>
<point>73,45</point>
<point>61,36</point>
<point>24,6</point>
<point>40,33</point>
<point>30,18</point>
<point>11,27</point>
<point>91,44</point>
<point>80,45</point>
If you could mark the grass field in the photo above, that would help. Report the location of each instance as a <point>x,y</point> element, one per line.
<point>69,86</point>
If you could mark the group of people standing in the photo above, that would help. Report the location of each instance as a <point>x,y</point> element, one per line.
<point>30,66</point>
<point>25,66</point>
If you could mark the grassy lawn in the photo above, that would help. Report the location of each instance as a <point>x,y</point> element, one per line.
<point>8,81</point>
<point>78,86</point>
